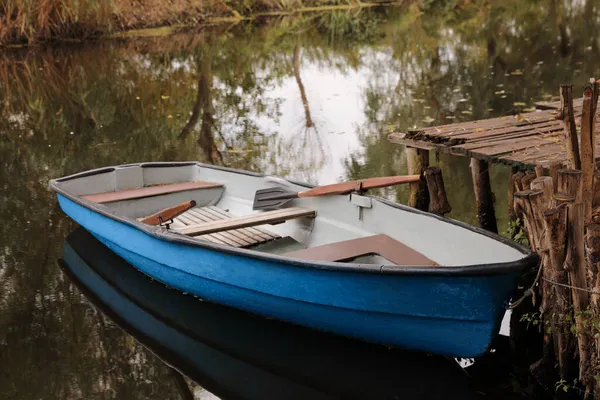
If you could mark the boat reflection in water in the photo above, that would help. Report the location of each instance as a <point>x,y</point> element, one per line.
<point>234,354</point>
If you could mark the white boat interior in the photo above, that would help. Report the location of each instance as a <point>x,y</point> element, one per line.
<point>351,228</point>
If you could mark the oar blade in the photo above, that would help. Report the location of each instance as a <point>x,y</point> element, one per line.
<point>271,198</point>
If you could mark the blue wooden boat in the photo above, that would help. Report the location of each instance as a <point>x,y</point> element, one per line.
<point>351,264</point>
<point>234,354</point>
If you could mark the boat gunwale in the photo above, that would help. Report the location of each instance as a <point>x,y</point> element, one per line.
<point>529,258</point>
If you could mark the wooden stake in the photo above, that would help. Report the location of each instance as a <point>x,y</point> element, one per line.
<point>516,182</point>
<point>554,168</point>
<point>557,296</point>
<point>511,192</point>
<point>561,198</point>
<point>418,162</point>
<point>570,130</point>
<point>546,185</point>
<point>587,149</point>
<point>569,182</point>
<point>438,202</point>
<point>575,264</point>
<point>527,179</point>
<point>592,247</point>
<point>539,171</point>
<point>523,208</point>
<point>484,198</point>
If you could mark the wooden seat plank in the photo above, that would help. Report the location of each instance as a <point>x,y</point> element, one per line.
<point>189,222</point>
<point>240,236</point>
<point>263,218</point>
<point>383,245</point>
<point>149,191</point>
<point>255,229</point>
<point>226,236</point>
<point>254,233</point>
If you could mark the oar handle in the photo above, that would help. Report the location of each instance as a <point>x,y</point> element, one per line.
<point>362,184</point>
<point>168,213</point>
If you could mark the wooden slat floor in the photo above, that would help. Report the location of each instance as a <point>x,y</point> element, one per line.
<point>243,237</point>
<point>528,139</point>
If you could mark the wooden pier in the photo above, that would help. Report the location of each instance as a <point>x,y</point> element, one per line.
<point>529,139</point>
<point>554,195</point>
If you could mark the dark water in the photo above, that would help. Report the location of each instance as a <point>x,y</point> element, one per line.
<point>310,96</point>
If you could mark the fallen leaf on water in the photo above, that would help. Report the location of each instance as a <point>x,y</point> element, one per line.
<point>499,92</point>
<point>169,116</point>
<point>137,97</point>
<point>164,97</point>
<point>428,120</point>
<point>463,100</point>
<point>519,104</point>
<point>467,112</point>
<point>59,112</point>
<point>427,108</point>
<point>517,72</point>
<point>540,62</point>
<point>490,109</point>
<point>530,109</point>
<point>503,96</point>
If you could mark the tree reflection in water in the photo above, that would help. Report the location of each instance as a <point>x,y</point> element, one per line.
<point>218,96</point>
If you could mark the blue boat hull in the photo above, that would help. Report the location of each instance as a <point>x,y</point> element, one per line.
<point>444,314</point>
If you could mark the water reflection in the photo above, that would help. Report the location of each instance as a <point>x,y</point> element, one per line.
<point>238,355</point>
<point>310,96</point>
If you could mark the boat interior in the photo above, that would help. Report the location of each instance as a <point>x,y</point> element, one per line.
<point>352,228</point>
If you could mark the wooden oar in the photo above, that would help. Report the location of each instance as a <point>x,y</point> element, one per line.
<point>168,213</point>
<point>266,199</point>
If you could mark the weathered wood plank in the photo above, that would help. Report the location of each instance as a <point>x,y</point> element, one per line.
<point>269,217</point>
<point>249,234</point>
<point>149,191</point>
<point>259,230</point>
<point>532,139</point>
<point>223,236</point>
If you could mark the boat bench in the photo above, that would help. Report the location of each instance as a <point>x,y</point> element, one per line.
<point>346,250</point>
<point>243,237</point>
<point>218,226</point>
<point>148,191</point>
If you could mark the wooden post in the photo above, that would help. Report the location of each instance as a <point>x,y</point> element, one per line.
<point>590,99</point>
<point>539,171</point>
<point>569,182</point>
<point>527,179</point>
<point>523,208</point>
<point>558,298</point>
<point>516,180</point>
<point>438,202</point>
<point>570,130</point>
<point>484,198</point>
<point>592,247</point>
<point>592,250</point>
<point>554,174</point>
<point>514,186</point>
<point>418,162</point>
<point>575,265</point>
<point>544,184</point>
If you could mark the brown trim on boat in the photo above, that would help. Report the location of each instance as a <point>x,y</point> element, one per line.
<point>530,259</point>
<point>148,191</point>
<point>381,245</point>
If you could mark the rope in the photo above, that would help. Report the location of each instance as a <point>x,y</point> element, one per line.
<point>571,287</point>
<point>528,292</point>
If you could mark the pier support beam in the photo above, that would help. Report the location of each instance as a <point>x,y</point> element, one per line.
<point>418,161</point>
<point>438,201</point>
<point>484,198</point>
